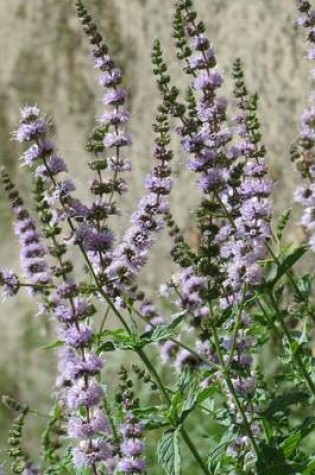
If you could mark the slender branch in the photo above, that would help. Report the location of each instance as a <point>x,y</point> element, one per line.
<point>193,450</point>
<point>231,388</point>
<point>297,353</point>
<point>110,419</point>
<point>236,328</point>
<point>291,279</point>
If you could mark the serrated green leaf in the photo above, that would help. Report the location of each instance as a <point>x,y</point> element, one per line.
<point>115,334</point>
<point>196,397</point>
<point>270,270</point>
<point>189,404</point>
<point>304,285</point>
<point>120,339</point>
<point>217,459</point>
<point>156,423</point>
<point>106,346</point>
<point>282,402</point>
<point>294,347</point>
<point>169,454</point>
<point>162,332</point>
<point>176,402</point>
<point>177,318</point>
<point>52,346</point>
<point>287,263</point>
<point>310,469</point>
<point>153,417</point>
<point>112,345</point>
<point>272,460</point>
<point>184,379</point>
<point>292,442</point>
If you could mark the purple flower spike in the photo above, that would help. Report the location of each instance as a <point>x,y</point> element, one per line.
<point>76,335</point>
<point>116,97</point>
<point>31,131</point>
<point>36,152</point>
<point>116,117</point>
<point>86,454</point>
<point>9,282</point>
<point>306,142</point>
<point>208,80</point>
<point>32,252</point>
<point>79,395</point>
<point>119,139</point>
<point>79,428</point>
<point>110,78</point>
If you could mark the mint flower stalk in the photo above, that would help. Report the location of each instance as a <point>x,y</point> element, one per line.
<point>33,253</point>
<point>107,143</point>
<point>9,282</point>
<point>238,208</point>
<point>79,366</point>
<point>244,236</point>
<point>226,199</point>
<point>131,430</point>
<point>131,255</point>
<point>208,141</point>
<point>303,151</point>
<point>42,158</point>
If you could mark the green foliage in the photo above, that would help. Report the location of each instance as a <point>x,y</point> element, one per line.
<point>272,460</point>
<point>285,263</point>
<point>282,402</point>
<point>123,340</point>
<point>51,438</point>
<point>15,451</point>
<point>169,453</point>
<point>218,461</point>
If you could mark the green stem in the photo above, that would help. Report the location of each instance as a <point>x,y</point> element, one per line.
<point>287,272</point>
<point>179,343</point>
<point>193,450</point>
<point>195,354</point>
<point>236,328</point>
<point>103,324</point>
<point>183,432</point>
<point>154,373</point>
<point>110,419</point>
<point>270,321</point>
<point>233,392</point>
<point>100,290</point>
<point>291,279</point>
<point>37,286</point>
<point>296,355</point>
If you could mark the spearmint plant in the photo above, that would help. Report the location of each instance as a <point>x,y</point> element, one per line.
<point>193,394</point>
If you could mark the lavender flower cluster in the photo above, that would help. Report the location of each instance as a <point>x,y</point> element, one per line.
<point>303,152</point>
<point>235,293</point>
<point>32,252</point>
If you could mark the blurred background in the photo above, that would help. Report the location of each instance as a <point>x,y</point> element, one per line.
<point>44,59</point>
